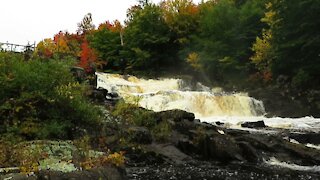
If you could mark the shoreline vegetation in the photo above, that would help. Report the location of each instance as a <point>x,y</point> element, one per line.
<point>54,121</point>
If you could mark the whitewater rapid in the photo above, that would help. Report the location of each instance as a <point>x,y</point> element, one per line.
<point>210,106</point>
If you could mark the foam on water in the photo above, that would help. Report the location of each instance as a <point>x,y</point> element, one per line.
<point>275,162</point>
<point>305,123</point>
<point>314,146</point>
<point>207,105</point>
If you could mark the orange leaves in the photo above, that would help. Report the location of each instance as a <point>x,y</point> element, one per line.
<point>45,48</point>
<point>60,40</point>
<point>117,159</point>
<point>106,25</point>
<point>87,56</point>
<point>68,44</point>
<point>113,27</point>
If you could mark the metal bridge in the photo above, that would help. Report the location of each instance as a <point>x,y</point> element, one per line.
<point>17,47</point>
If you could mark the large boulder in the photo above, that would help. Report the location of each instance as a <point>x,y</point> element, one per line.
<point>176,115</point>
<point>257,124</point>
<point>305,138</point>
<point>140,135</point>
<point>221,148</point>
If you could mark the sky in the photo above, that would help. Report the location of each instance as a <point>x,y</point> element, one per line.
<point>24,21</point>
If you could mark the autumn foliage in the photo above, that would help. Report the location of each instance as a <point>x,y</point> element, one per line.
<point>87,57</point>
<point>226,40</point>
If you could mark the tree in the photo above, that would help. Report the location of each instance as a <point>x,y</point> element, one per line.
<point>87,57</point>
<point>227,30</point>
<point>108,42</point>
<point>147,37</point>
<point>86,24</point>
<point>182,17</point>
<point>45,48</point>
<point>297,42</point>
<point>61,43</point>
<point>263,56</point>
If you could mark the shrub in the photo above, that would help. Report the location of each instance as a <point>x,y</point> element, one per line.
<point>133,114</point>
<point>162,131</point>
<point>40,99</point>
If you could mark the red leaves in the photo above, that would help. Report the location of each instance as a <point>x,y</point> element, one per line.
<point>87,57</point>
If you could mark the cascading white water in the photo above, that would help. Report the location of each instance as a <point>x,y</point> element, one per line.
<point>207,105</point>
<point>167,94</point>
<point>229,108</point>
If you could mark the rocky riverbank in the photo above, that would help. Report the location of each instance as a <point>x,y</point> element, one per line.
<point>195,150</point>
<point>174,145</point>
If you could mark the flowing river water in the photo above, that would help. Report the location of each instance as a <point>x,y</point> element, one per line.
<point>208,105</point>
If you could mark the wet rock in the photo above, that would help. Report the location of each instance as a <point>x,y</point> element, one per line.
<point>219,123</point>
<point>221,148</point>
<point>98,95</point>
<point>190,140</point>
<point>249,153</point>
<point>112,98</point>
<point>187,146</point>
<point>257,124</point>
<point>140,135</point>
<point>172,153</point>
<point>177,115</point>
<point>278,102</point>
<point>106,172</point>
<point>304,138</point>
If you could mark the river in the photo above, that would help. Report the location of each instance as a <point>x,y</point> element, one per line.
<point>210,105</point>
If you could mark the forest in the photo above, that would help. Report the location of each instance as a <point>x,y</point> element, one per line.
<point>224,42</point>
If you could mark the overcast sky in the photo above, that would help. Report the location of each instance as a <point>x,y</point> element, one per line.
<point>24,21</point>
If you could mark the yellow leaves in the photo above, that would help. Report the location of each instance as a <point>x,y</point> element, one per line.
<point>69,91</point>
<point>29,167</point>
<point>263,51</point>
<point>45,47</point>
<point>269,15</point>
<point>194,60</point>
<point>116,158</point>
<point>172,7</point>
<point>268,5</point>
<point>61,45</point>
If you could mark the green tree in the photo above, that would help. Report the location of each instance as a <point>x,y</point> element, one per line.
<point>147,37</point>
<point>263,56</point>
<point>297,41</point>
<point>40,99</point>
<point>182,17</point>
<point>107,40</point>
<point>227,30</point>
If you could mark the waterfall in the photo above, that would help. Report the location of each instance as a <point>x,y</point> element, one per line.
<point>168,94</point>
<point>209,105</point>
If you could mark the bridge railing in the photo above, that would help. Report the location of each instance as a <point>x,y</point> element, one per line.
<point>17,47</point>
